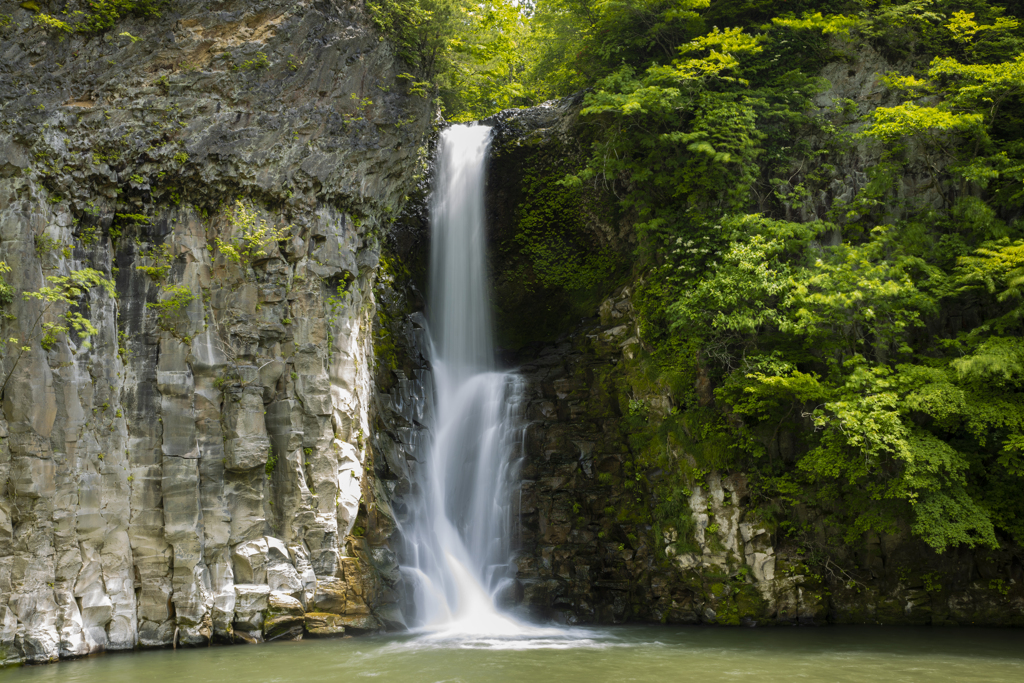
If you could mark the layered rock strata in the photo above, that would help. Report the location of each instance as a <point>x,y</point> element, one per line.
<point>196,470</point>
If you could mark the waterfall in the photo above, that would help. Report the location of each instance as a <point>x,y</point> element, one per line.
<point>458,543</point>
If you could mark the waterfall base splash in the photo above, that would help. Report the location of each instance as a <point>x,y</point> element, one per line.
<point>460,546</point>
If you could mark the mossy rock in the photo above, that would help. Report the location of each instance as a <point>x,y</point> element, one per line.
<point>284,618</point>
<point>552,264</point>
<point>750,604</point>
<point>324,625</point>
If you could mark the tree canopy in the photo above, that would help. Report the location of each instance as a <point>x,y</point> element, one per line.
<point>877,320</point>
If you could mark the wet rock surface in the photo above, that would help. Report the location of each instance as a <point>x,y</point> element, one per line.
<point>196,471</point>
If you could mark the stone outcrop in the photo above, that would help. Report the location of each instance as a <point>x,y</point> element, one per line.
<point>201,467</point>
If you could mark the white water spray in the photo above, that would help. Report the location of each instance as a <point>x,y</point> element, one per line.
<point>459,540</point>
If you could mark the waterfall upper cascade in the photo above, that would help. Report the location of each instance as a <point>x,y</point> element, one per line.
<point>459,541</point>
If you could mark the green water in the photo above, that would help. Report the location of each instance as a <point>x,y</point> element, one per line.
<point>581,655</point>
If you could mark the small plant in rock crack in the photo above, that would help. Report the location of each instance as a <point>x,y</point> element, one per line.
<point>252,236</point>
<point>175,299</point>
<point>46,245</point>
<point>160,259</point>
<point>6,291</point>
<point>638,408</point>
<point>271,463</point>
<point>258,62</point>
<point>62,291</point>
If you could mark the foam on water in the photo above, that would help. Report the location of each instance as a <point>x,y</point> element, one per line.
<point>513,635</point>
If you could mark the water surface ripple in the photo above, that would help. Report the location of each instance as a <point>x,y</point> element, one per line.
<point>580,655</point>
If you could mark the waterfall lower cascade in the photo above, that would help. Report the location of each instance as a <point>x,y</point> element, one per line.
<point>459,540</point>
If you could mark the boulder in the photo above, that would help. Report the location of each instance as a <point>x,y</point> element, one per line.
<point>248,637</point>
<point>283,578</point>
<point>251,603</point>
<point>285,618</point>
<point>324,625</point>
<point>250,561</point>
<point>360,622</point>
<point>331,595</point>
<point>300,560</point>
<point>277,551</point>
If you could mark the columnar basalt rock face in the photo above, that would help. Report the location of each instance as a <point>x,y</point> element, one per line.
<point>198,469</point>
<point>404,403</point>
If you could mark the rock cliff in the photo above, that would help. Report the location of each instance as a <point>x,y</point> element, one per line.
<point>197,467</point>
<point>605,538</point>
<point>589,552</point>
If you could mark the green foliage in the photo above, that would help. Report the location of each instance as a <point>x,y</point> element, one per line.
<point>752,279</point>
<point>488,59</point>
<point>393,273</point>
<point>161,260</point>
<point>173,300</point>
<point>422,30</point>
<point>47,245</point>
<point>999,267</point>
<point>271,463</point>
<point>257,63</point>
<point>680,143</point>
<point>769,313</point>
<point>6,290</point>
<point>638,408</point>
<point>581,41</point>
<point>96,16</point>
<point>833,24</point>
<point>833,331</point>
<point>59,316</point>
<point>864,299</point>
<point>979,102</point>
<point>251,236</point>
<point>54,24</point>
<point>667,132</point>
<point>894,123</point>
<point>68,290</point>
<point>474,53</point>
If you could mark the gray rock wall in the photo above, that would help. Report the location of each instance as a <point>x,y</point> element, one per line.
<point>198,472</point>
